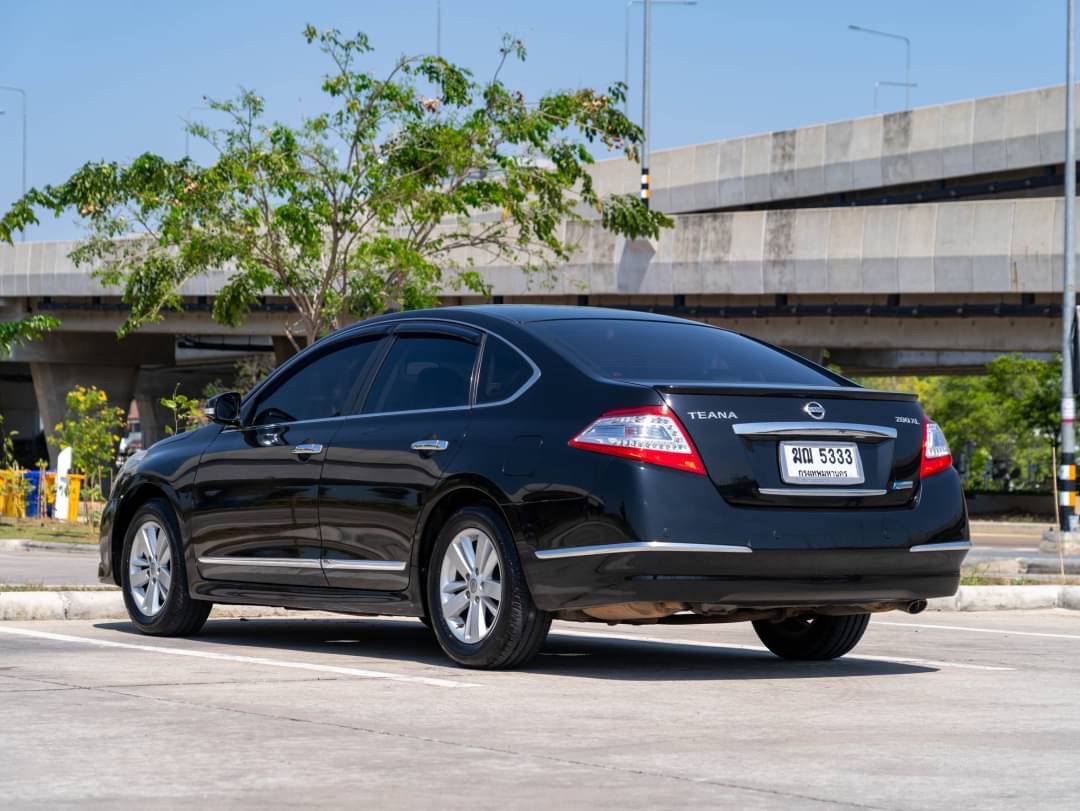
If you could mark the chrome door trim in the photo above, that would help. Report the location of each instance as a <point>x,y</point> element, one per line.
<point>820,492</point>
<point>430,445</point>
<point>269,563</point>
<point>839,430</point>
<point>344,564</point>
<point>633,547</point>
<point>307,449</point>
<point>945,546</point>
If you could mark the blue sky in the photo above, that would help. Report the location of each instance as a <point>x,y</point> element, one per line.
<point>113,78</point>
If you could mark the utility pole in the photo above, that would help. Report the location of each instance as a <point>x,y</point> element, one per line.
<point>645,64</point>
<point>438,28</point>
<point>1067,473</point>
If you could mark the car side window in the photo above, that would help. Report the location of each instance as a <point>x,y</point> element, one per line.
<point>423,372</point>
<point>503,371</point>
<point>324,386</point>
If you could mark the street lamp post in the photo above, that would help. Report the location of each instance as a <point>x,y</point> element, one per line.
<point>1067,473</point>
<point>884,83</point>
<point>22,94</point>
<point>626,38</point>
<point>438,28</point>
<point>907,57</point>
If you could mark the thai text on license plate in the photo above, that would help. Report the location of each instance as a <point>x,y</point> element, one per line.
<point>824,463</point>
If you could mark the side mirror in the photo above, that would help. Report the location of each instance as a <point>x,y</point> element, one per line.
<point>224,408</point>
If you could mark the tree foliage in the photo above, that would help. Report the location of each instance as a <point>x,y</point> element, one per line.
<point>1001,425</point>
<point>31,328</point>
<point>91,431</point>
<point>405,184</point>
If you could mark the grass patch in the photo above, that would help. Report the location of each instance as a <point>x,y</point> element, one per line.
<point>54,531</point>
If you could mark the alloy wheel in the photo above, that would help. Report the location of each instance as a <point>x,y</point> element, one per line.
<point>470,585</point>
<point>150,568</point>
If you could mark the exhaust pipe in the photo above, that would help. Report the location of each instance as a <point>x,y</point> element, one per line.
<point>914,607</point>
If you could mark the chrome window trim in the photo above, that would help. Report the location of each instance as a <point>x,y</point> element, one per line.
<point>342,564</point>
<point>839,430</point>
<point>821,492</point>
<point>633,547</point>
<point>270,563</point>
<point>528,384</point>
<point>945,546</point>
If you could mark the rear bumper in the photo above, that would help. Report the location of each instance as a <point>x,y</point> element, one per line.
<point>716,575</point>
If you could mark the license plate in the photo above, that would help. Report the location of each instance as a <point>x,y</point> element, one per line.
<point>824,463</point>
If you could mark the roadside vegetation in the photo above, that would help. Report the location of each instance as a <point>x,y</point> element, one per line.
<point>1002,426</point>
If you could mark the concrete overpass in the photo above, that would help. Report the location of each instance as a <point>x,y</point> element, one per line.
<point>909,242</point>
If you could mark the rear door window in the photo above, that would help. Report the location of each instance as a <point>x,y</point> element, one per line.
<point>663,351</point>
<point>423,372</point>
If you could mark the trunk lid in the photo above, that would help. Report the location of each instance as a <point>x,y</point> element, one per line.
<point>739,431</point>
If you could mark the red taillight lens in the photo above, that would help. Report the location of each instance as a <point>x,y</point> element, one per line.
<point>936,455</point>
<point>650,434</point>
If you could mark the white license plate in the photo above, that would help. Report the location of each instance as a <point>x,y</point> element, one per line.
<point>824,463</point>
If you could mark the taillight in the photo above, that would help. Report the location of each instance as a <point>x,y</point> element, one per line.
<point>650,434</point>
<point>936,455</point>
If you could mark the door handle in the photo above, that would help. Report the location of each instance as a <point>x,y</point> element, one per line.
<point>307,448</point>
<point>429,445</point>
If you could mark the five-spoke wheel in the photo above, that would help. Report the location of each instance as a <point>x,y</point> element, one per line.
<point>153,576</point>
<point>470,585</point>
<point>478,602</point>
<point>150,568</point>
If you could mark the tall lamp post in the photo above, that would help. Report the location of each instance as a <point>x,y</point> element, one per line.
<point>626,38</point>
<point>883,83</point>
<point>907,56</point>
<point>22,94</point>
<point>1067,473</point>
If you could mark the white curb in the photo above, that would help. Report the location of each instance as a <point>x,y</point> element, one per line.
<point>103,605</point>
<point>1008,598</point>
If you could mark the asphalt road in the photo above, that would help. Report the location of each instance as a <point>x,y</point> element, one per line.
<point>50,568</point>
<point>930,711</point>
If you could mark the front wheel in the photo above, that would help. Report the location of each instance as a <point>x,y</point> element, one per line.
<point>814,637</point>
<point>479,604</point>
<point>153,576</point>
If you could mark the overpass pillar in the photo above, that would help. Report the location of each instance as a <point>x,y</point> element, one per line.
<point>53,381</point>
<point>60,361</point>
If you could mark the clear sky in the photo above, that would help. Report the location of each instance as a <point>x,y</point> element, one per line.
<point>110,79</point>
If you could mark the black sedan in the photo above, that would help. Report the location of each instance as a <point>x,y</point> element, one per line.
<point>490,468</point>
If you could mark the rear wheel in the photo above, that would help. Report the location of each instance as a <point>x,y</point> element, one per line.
<point>814,637</point>
<point>153,576</point>
<point>479,604</point>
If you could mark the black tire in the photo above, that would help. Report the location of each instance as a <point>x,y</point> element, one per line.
<point>815,637</point>
<point>179,614</point>
<point>520,628</point>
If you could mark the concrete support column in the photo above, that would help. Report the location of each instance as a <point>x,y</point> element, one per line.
<point>52,382</point>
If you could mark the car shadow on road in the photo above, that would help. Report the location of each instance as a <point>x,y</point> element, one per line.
<point>363,642</point>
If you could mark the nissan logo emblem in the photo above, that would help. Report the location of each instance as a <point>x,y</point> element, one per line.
<point>815,410</point>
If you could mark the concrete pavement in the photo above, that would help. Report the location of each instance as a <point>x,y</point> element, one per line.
<point>318,712</point>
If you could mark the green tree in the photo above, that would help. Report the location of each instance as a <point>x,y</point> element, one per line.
<point>362,208</point>
<point>13,333</point>
<point>91,431</point>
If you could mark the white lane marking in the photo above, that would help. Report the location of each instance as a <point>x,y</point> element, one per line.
<point>976,630</point>
<point>247,660</point>
<point>762,649</point>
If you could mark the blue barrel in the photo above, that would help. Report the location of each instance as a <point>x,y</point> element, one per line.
<point>34,477</point>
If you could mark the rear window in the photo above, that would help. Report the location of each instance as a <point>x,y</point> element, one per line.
<point>672,352</point>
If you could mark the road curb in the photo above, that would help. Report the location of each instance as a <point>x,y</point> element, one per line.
<point>21,545</point>
<point>109,605</point>
<point>1008,598</point>
<point>104,605</point>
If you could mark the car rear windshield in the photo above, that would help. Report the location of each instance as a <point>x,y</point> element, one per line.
<point>664,351</point>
